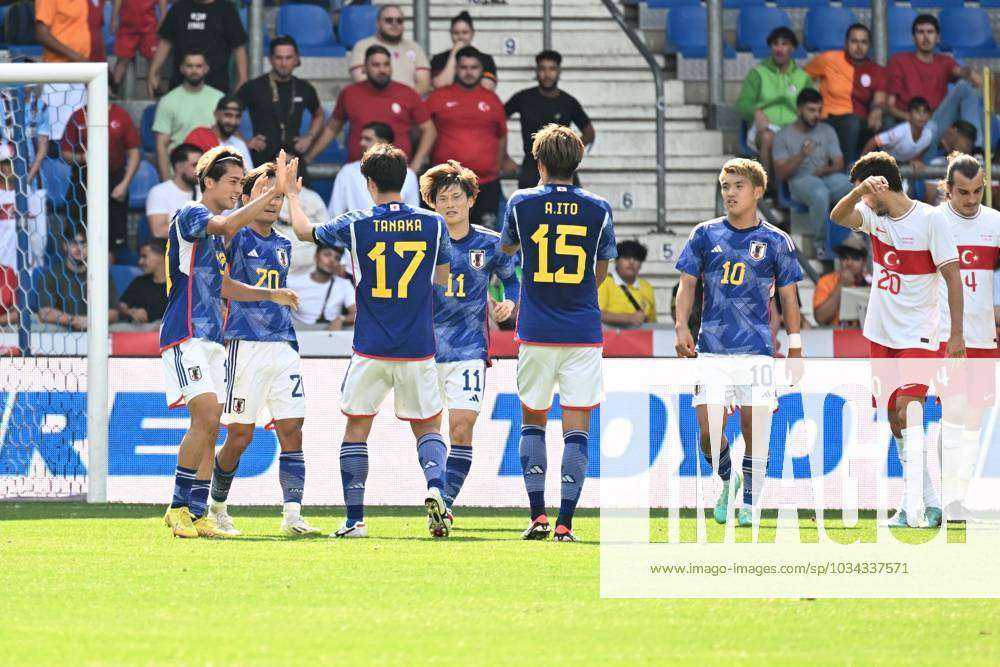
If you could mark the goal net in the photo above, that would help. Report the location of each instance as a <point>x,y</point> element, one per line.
<point>54,281</point>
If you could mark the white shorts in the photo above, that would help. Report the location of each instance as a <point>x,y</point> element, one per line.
<point>462,384</point>
<point>731,380</point>
<point>752,136</point>
<point>576,369</point>
<point>414,385</point>
<point>263,374</point>
<point>194,367</point>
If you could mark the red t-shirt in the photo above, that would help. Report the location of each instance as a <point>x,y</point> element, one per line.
<point>137,16</point>
<point>869,78</point>
<point>397,105</point>
<point>95,20</point>
<point>122,135</point>
<point>470,123</point>
<point>202,137</point>
<point>8,289</point>
<point>910,77</point>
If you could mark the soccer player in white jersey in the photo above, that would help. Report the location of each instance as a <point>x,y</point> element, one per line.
<point>911,244</point>
<point>976,229</point>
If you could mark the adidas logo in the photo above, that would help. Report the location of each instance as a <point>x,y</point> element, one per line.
<point>535,470</point>
<point>356,485</point>
<point>475,398</point>
<point>716,249</point>
<point>253,253</point>
<point>430,464</point>
<point>568,479</point>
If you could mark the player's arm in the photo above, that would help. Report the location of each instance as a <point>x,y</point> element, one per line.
<point>600,270</point>
<point>286,179</point>
<point>845,213</point>
<point>237,291</point>
<point>793,318</point>
<point>330,132</point>
<point>682,307</point>
<point>953,280</point>
<point>441,272</point>
<point>511,289</point>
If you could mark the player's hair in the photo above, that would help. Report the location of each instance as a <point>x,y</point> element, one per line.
<point>194,52</point>
<point>227,100</point>
<point>550,55</point>
<point>386,166</point>
<point>878,163</point>
<point>73,230</point>
<point>783,32</point>
<point>376,49</point>
<point>469,52</point>
<point>462,17</point>
<point>633,249</point>
<point>808,96</point>
<point>181,152</point>
<point>925,19</point>
<point>918,103</point>
<point>383,131</point>
<point>212,164</point>
<point>967,130</point>
<point>284,40</point>
<point>964,164</point>
<point>857,26</point>
<point>159,246</point>
<point>444,176</point>
<point>752,170</point>
<point>267,170</point>
<point>559,149</point>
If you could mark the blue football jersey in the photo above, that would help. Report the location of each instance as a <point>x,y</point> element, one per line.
<point>196,262</point>
<point>260,261</point>
<point>740,268</point>
<point>395,249</point>
<point>460,308</point>
<point>563,231</point>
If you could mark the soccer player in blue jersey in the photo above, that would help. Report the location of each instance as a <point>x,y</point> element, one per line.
<point>461,311</point>
<point>398,254</point>
<point>741,260</point>
<point>263,363</point>
<point>566,237</point>
<point>191,333</point>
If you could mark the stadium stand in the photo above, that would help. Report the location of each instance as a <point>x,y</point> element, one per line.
<point>686,30</point>
<point>755,24</point>
<point>356,23</point>
<point>312,28</point>
<point>826,26</point>
<point>966,32</point>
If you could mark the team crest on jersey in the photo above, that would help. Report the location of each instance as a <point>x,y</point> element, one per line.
<point>758,249</point>
<point>282,257</point>
<point>194,373</point>
<point>238,405</point>
<point>477,259</point>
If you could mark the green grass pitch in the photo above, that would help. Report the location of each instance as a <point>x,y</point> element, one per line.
<point>107,585</point>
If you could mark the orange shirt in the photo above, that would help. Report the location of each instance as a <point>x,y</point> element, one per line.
<point>67,21</point>
<point>847,88</point>
<point>824,288</point>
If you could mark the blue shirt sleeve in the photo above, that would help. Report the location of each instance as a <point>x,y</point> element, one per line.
<point>334,234</point>
<point>42,117</point>
<point>787,269</point>
<point>444,244</point>
<point>607,246</point>
<point>508,236</point>
<point>504,269</point>
<point>691,261</point>
<point>192,221</point>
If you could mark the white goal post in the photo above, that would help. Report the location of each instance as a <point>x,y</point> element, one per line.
<point>95,77</point>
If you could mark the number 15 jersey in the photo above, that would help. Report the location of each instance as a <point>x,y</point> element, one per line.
<point>563,231</point>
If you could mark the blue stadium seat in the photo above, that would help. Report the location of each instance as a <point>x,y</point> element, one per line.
<point>687,33</point>
<point>145,178</point>
<point>739,4</point>
<point>146,129</point>
<point>323,187</point>
<point>19,31</point>
<point>670,4</point>
<point>246,127</point>
<point>335,153</point>
<point>989,3</point>
<point>826,27</point>
<point>859,4</point>
<point>122,276</point>
<point>967,33</point>
<point>313,30</point>
<point>56,178</point>
<point>900,28</point>
<point>935,4</point>
<point>803,3</point>
<point>753,27</point>
<point>356,23</point>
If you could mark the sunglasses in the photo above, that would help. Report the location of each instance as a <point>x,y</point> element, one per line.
<point>393,20</point>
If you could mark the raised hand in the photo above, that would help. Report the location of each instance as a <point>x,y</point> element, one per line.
<point>285,297</point>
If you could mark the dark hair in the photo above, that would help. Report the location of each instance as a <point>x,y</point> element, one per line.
<point>284,40</point>
<point>462,17</point>
<point>376,49</point>
<point>386,166</point>
<point>877,163</point>
<point>918,103</point>
<point>181,152</point>
<point>967,130</point>
<point>808,96</point>
<point>227,100</point>
<point>469,52</point>
<point>964,164</point>
<point>159,246</point>
<point>633,249</point>
<point>195,52</point>
<point>783,32</point>
<point>857,26</point>
<point>925,19</point>
<point>72,230</point>
<point>445,175</point>
<point>549,54</point>
<point>267,170</point>
<point>383,131</point>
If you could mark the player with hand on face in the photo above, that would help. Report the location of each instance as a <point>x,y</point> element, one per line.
<point>461,311</point>
<point>194,360</point>
<point>264,367</point>
<point>741,260</point>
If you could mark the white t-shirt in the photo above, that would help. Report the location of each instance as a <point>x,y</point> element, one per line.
<point>8,228</point>
<point>977,239</point>
<point>898,141</point>
<point>350,192</point>
<point>907,252</point>
<point>166,198</point>
<point>313,294</point>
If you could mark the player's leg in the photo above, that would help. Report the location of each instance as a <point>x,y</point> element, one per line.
<point>460,425</point>
<point>462,385</point>
<point>206,526</point>
<point>765,146</point>
<point>536,379</point>
<point>920,501</point>
<point>292,475</point>
<point>715,447</point>
<point>238,438</point>
<point>755,424</point>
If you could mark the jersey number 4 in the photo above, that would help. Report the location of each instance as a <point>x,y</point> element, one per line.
<point>541,238</point>
<point>377,255</point>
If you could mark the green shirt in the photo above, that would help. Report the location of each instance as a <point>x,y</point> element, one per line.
<point>181,111</point>
<point>772,91</point>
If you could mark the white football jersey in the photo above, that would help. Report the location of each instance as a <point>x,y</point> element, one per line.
<point>907,252</point>
<point>977,239</point>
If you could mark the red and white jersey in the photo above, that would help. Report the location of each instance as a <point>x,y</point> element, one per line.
<point>907,252</point>
<point>977,239</point>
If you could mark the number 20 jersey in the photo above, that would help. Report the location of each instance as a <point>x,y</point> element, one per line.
<point>260,261</point>
<point>563,231</point>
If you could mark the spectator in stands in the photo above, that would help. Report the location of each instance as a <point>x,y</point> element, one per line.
<point>960,138</point>
<point>8,214</point>
<point>324,297</point>
<point>853,255</point>
<point>210,27</point>
<point>123,162</point>
<point>145,299</point>
<point>853,89</point>
<point>37,133</point>
<point>133,23</point>
<point>9,314</point>
<point>95,21</point>
<point>444,64</point>
<point>907,142</point>
<point>807,156</point>
<point>228,114</point>
<point>379,98</point>
<point>540,105</point>
<point>767,100</point>
<point>350,190</point>
<point>409,61</point>
<point>184,108</point>
<point>62,294</point>
<point>927,73</point>
<point>277,101</point>
<point>472,129</point>
<point>62,28</point>
<point>166,198</point>
<point>625,299</point>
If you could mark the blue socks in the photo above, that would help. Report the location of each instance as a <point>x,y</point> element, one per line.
<point>725,465</point>
<point>353,475</point>
<point>433,455</point>
<point>292,475</point>
<point>533,464</point>
<point>457,468</point>
<point>183,478</point>
<point>198,500</point>
<point>574,472</point>
<point>748,479</point>
<point>221,481</point>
